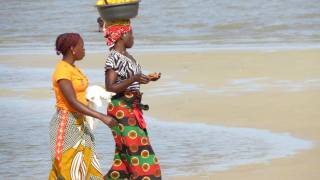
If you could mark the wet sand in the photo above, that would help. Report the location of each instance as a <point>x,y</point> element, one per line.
<point>274,107</point>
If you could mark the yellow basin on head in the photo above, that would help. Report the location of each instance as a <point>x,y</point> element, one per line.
<point>100,3</point>
<point>105,2</point>
<point>118,10</point>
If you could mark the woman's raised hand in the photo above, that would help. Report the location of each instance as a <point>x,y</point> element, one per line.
<point>154,76</point>
<point>141,78</point>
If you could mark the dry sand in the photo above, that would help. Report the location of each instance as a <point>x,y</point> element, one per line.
<point>275,108</point>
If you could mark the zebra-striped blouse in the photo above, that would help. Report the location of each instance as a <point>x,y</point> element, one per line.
<point>124,67</point>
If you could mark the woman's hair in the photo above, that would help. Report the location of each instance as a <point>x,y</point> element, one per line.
<point>65,41</point>
<point>100,20</point>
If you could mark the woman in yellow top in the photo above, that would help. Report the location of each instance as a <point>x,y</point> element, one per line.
<point>71,140</point>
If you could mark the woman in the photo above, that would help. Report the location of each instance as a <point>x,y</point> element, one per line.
<point>72,143</point>
<point>100,24</point>
<point>134,157</point>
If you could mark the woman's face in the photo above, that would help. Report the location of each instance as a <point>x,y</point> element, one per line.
<point>129,40</point>
<point>79,51</point>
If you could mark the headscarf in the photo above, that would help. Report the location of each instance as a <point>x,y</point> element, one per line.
<point>115,30</point>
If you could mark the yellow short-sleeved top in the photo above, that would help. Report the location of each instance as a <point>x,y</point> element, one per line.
<point>79,82</point>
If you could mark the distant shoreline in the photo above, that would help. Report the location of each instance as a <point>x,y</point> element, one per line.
<point>45,49</point>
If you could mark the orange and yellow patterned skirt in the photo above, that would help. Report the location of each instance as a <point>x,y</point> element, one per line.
<point>72,148</point>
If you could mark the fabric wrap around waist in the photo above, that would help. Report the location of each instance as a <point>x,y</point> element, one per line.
<point>127,105</point>
<point>132,98</point>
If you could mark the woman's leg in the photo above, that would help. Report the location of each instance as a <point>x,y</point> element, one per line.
<point>119,168</point>
<point>135,158</point>
<point>133,146</point>
<point>142,161</point>
<point>72,149</point>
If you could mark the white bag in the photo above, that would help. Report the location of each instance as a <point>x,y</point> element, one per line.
<point>95,95</point>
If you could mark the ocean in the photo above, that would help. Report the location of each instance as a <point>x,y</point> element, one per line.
<point>31,26</point>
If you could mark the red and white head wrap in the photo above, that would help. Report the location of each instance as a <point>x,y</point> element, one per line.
<point>113,32</point>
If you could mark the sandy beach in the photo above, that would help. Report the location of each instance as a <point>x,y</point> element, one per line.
<point>284,98</point>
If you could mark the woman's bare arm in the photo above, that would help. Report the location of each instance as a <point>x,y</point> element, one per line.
<point>111,85</point>
<point>69,94</point>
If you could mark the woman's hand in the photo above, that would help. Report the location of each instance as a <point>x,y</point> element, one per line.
<point>154,76</point>
<point>141,78</point>
<point>108,120</point>
<point>112,86</point>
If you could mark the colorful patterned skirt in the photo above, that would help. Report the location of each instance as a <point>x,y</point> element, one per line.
<point>134,157</point>
<point>72,148</point>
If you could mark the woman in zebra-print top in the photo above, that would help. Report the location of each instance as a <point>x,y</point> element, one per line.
<point>122,71</point>
<point>127,71</point>
<point>123,75</point>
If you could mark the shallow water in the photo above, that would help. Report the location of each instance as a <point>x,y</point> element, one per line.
<point>235,87</point>
<point>10,78</point>
<point>183,149</point>
<point>31,26</point>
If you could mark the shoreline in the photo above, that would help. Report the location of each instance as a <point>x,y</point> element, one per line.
<point>278,111</point>
<point>99,48</point>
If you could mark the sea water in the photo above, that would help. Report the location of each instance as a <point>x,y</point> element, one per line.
<point>31,26</point>
<point>182,148</point>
